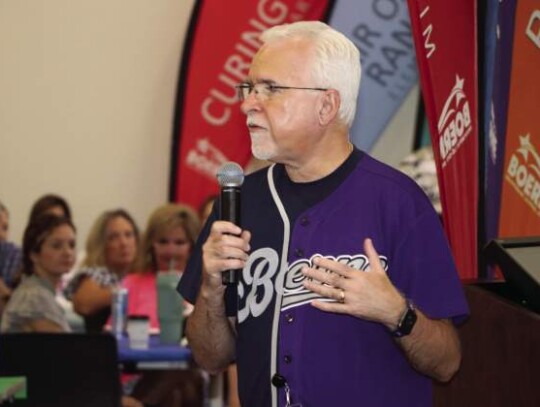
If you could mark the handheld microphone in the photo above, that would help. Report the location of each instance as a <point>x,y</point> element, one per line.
<point>230,177</point>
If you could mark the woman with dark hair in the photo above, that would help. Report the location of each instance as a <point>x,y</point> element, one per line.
<point>111,250</point>
<point>50,204</point>
<point>48,253</point>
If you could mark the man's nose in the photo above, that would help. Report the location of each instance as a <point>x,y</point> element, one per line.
<point>250,103</point>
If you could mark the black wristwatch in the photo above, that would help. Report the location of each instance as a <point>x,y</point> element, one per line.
<point>407,321</point>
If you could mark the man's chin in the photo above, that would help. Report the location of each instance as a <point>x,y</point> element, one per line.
<point>262,155</point>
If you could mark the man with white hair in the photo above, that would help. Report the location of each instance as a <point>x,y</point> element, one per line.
<point>348,291</point>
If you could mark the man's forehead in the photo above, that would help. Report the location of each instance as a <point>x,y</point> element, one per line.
<point>279,61</point>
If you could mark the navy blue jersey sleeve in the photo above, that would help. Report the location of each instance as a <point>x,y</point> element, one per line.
<point>190,283</point>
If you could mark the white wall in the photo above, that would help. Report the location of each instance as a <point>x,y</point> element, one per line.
<point>87,93</point>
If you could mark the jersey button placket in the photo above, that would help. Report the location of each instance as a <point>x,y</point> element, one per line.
<point>298,252</point>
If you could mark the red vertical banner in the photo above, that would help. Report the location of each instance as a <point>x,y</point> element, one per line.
<point>445,41</point>
<point>210,130</point>
<point>520,200</point>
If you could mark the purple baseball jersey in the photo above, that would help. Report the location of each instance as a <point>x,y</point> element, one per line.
<point>332,359</point>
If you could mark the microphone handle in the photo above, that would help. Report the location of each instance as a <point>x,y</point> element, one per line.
<point>230,211</point>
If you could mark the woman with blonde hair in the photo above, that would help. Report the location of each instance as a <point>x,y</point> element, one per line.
<point>111,250</point>
<point>166,245</point>
<point>167,242</point>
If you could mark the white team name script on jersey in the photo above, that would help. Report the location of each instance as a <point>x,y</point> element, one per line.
<point>263,264</point>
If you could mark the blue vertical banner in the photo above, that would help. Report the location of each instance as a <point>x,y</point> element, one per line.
<point>490,12</point>
<point>499,40</point>
<point>381,30</point>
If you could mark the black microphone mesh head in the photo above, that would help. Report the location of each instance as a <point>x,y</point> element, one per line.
<point>230,174</point>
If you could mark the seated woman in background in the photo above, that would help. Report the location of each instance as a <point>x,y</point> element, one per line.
<point>52,204</point>
<point>48,252</point>
<point>111,250</point>
<point>10,258</point>
<point>10,254</point>
<point>170,234</point>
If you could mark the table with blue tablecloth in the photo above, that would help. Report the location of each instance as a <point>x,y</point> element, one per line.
<point>157,356</point>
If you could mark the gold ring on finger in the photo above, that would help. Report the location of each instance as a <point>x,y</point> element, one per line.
<point>342,296</point>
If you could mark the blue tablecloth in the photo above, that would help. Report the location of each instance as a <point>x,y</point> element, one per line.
<point>156,352</point>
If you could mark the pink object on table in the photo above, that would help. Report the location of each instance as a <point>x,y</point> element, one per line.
<point>142,297</point>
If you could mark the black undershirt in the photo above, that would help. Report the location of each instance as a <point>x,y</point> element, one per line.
<point>297,197</point>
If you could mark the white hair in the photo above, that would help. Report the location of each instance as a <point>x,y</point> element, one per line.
<point>337,62</point>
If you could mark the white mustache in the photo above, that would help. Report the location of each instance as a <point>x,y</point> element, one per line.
<point>250,122</point>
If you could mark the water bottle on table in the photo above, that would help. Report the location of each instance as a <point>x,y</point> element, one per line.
<point>170,307</point>
<point>119,311</point>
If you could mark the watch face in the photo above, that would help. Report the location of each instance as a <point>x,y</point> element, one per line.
<point>407,322</point>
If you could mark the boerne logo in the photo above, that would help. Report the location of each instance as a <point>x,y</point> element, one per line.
<point>523,172</point>
<point>454,122</point>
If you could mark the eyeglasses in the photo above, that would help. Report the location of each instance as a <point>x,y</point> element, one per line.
<point>265,90</point>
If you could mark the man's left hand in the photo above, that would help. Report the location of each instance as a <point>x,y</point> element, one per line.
<point>366,294</point>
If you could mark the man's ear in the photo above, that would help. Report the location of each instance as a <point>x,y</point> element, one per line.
<point>330,103</point>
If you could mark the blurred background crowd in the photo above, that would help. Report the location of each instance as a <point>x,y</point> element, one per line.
<point>58,281</point>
